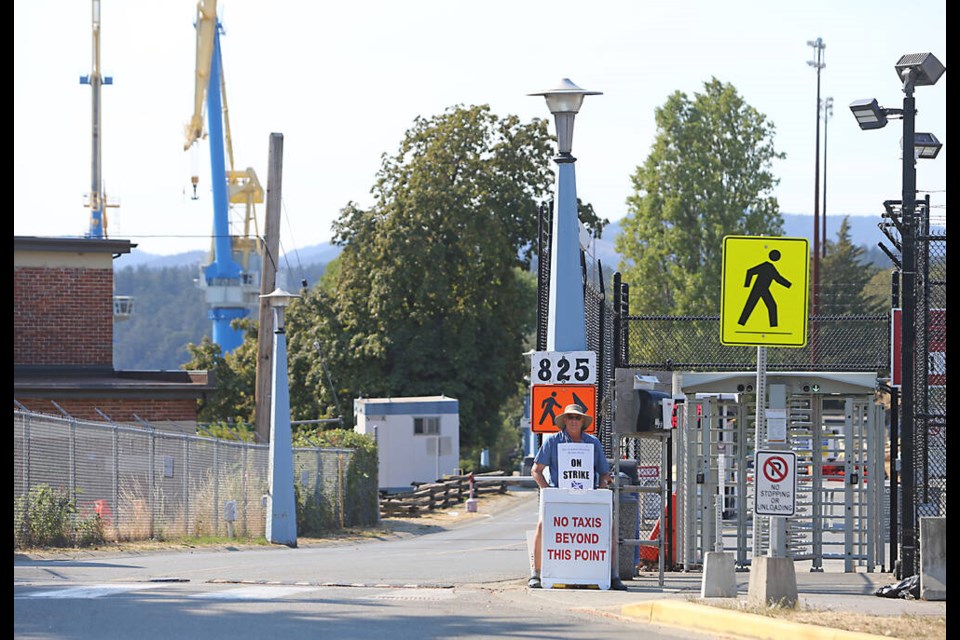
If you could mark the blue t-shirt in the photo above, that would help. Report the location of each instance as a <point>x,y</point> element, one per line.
<point>547,455</point>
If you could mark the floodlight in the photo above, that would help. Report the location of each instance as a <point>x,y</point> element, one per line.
<point>869,114</point>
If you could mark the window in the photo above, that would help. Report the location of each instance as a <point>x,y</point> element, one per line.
<point>426,426</point>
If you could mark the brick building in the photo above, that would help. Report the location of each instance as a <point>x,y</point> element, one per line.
<point>63,314</point>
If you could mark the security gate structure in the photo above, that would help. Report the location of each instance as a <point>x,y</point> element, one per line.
<point>836,429</point>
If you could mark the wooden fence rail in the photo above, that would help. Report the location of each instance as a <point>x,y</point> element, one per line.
<point>446,492</point>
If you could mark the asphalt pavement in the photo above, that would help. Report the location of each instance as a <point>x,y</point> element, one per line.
<point>676,602</point>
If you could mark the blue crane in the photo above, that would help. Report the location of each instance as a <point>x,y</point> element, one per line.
<point>231,281</point>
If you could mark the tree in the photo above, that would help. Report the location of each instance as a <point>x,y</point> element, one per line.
<point>234,401</point>
<point>845,277</point>
<point>708,176</point>
<point>429,294</point>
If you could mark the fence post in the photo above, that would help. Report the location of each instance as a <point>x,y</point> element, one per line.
<point>73,469</point>
<point>216,489</point>
<point>116,481</point>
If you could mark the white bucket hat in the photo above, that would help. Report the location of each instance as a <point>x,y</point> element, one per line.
<point>573,410</point>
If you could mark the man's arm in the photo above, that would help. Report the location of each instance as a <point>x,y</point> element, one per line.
<point>537,473</point>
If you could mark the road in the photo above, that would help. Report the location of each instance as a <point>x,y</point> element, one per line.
<point>466,580</point>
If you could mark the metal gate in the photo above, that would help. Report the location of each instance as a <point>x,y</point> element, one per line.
<point>835,428</point>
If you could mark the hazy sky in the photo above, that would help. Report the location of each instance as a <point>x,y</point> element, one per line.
<point>343,81</point>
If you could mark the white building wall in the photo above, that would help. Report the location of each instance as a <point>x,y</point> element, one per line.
<point>406,457</point>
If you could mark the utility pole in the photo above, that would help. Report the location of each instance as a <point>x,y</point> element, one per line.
<point>827,112</point>
<point>818,64</point>
<point>268,282</point>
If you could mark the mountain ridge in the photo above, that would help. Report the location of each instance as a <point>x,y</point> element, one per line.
<point>864,231</point>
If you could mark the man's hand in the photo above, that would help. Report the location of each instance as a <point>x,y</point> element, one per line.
<point>605,480</point>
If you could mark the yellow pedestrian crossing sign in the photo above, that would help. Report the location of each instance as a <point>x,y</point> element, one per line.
<point>764,291</point>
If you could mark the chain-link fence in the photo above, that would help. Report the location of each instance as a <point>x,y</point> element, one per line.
<point>835,343</point>
<point>150,484</point>
<point>929,388</point>
<point>692,343</point>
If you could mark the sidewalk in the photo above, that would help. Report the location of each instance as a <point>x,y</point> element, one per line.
<point>678,603</point>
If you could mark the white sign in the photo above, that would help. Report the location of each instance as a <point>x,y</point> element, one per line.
<point>775,483</point>
<point>776,425</point>
<point>563,367</point>
<point>575,465</point>
<point>576,547</point>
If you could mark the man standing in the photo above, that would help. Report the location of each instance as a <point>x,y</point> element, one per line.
<point>573,423</point>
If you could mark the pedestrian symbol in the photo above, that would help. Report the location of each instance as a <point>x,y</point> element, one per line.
<point>764,291</point>
<point>548,400</point>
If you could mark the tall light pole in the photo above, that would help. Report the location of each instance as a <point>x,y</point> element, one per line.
<point>827,113</point>
<point>818,64</point>
<point>914,70</point>
<point>281,502</point>
<point>566,328</point>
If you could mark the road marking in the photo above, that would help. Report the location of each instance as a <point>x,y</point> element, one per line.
<point>255,593</point>
<point>86,593</point>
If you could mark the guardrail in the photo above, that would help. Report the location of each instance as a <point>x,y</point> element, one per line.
<point>446,492</point>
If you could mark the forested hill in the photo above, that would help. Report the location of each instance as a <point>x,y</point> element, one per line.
<point>169,310</point>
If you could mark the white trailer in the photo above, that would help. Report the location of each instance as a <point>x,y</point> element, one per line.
<point>418,438</point>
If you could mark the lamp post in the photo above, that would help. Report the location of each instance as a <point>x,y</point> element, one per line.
<point>566,327</point>
<point>281,502</point>
<point>818,64</point>
<point>914,70</point>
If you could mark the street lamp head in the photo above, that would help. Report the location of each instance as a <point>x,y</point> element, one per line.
<point>925,145</point>
<point>924,67</point>
<point>278,298</point>
<point>869,114</point>
<point>565,97</point>
<point>564,102</point>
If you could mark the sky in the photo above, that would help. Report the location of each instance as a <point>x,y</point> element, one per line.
<point>343,82</point>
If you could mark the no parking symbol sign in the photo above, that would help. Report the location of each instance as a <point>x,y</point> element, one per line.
<point>775,483</point>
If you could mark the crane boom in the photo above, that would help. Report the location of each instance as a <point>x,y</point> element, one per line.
<point>206,30</point>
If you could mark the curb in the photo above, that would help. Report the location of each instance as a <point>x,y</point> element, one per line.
<point>737,623</point>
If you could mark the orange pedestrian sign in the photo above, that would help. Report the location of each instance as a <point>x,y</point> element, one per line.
<point>547,401</point>
<point>763,301</point>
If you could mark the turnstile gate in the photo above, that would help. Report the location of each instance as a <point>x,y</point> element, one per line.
<point>837,431</point>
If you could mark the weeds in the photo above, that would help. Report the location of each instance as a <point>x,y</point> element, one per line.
<point>48,517</point>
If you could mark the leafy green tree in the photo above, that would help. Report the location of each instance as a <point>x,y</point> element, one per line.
<point>880,288</point>
<point>844,279</point>
<point>234,401</point>
<point>429,295</point>
<point>708,176</point>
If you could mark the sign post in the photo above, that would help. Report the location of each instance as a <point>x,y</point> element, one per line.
<point>763,303</point>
